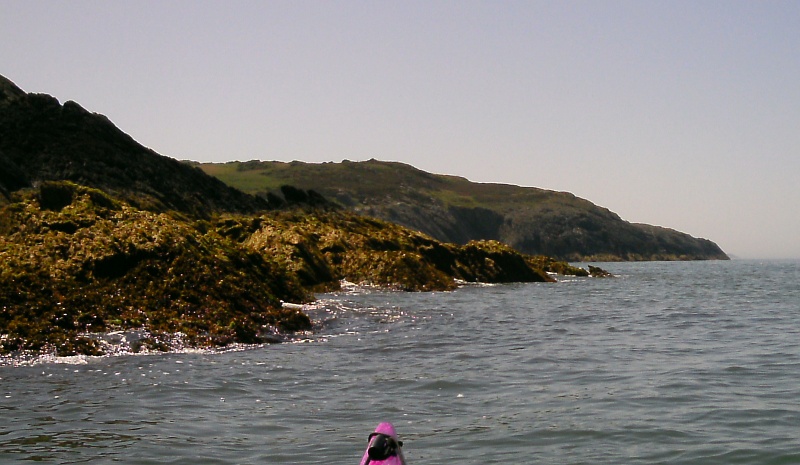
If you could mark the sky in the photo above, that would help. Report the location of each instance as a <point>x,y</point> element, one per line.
<point>684,114</point>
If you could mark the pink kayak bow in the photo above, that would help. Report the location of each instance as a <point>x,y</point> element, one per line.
<point>384,448</point>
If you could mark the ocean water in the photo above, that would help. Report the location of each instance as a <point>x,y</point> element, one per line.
<point>668,363</point>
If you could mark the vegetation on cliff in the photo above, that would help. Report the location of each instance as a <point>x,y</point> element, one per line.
<point>452,209</point>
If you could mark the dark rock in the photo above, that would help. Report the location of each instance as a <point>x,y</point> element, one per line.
<point>12,177</point>
<point>315,199</point>
<point>118,264</point>
<point>597,272</point>
<point>56,195</point>
<point>294,195</point>
<point>9,91</point>
<point>41,140</point>
<point>274,201</point>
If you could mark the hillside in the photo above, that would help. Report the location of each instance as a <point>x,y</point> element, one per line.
<point>453,209</point>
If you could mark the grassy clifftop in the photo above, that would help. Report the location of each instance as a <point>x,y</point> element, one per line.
<point>453,209</point>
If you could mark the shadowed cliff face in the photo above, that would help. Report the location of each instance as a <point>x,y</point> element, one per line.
<point>451,209</point>
<point>42,140</point>
<point>454,224</point>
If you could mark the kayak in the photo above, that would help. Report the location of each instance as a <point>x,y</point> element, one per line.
<point>384,448</point>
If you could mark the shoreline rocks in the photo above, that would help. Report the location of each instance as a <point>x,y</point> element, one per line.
<point>75,260</point>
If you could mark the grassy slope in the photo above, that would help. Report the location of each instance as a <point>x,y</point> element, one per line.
<point>354,183</point>
<point>382,179</point>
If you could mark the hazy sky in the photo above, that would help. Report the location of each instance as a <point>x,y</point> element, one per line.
<point>684,114</point>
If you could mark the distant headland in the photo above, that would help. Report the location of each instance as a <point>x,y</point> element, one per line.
<point>453,209</point>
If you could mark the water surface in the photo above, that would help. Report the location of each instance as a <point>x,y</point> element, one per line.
<point>678,363</point>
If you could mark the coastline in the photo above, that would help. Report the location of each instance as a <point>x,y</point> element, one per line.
<point>77,261</point>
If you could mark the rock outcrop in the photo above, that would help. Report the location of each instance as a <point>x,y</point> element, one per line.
<point>42,140</point>
<point>76,261</point>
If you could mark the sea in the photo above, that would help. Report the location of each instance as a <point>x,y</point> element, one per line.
<point>666,363</point>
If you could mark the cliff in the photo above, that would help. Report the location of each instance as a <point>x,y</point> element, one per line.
<point>453,209</point>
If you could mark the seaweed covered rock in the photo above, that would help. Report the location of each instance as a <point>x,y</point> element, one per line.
<point>326,247</point>
<point>597,272</point>
<point>495,262</point>
<point>551,265</point>
<point>75,261</point>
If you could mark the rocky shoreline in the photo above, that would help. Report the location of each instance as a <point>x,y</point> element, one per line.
<point>77,261</point>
